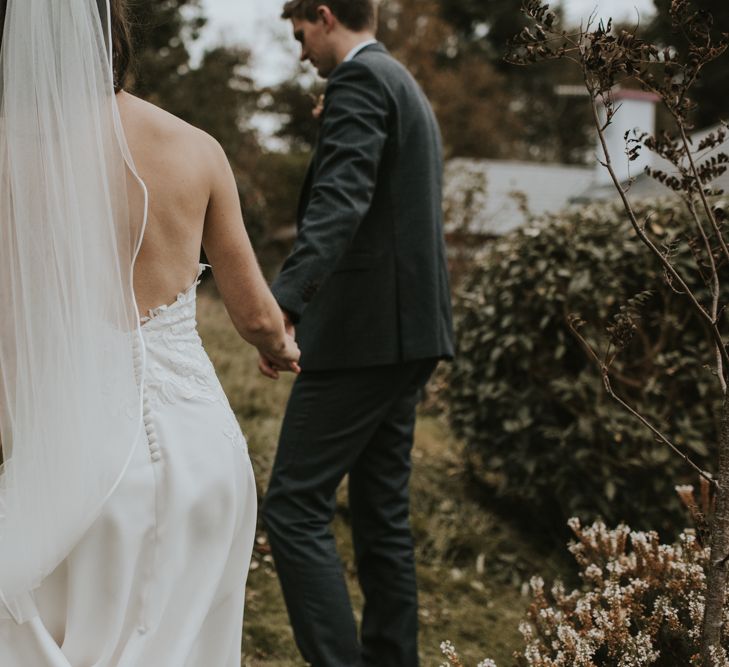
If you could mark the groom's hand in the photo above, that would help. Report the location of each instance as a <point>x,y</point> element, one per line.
<point>271,368</point>
<point>290,329</point>
<point>271,362</point>
<point>267,368</point>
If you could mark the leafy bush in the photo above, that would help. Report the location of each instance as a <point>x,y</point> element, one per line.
<point>530,404</point>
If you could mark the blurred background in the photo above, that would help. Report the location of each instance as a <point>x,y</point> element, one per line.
<point>231,67</point>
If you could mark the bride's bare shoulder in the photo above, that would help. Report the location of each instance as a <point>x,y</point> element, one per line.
<point>160,130</point>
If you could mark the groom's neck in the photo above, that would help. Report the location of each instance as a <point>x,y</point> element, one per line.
<point>349,40</point>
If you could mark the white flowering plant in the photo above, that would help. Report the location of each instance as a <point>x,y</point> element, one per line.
<point>641,603</point>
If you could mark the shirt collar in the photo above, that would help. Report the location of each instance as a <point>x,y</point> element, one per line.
<point>358,48</point>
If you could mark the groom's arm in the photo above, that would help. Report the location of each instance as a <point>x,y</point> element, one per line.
<point>353,136</point>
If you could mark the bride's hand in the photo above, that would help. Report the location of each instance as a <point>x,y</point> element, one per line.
<point>285,358</point>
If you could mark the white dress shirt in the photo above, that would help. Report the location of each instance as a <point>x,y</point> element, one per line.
<point>358,48</point>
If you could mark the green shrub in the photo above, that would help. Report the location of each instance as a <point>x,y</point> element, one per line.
<point>539,427</point>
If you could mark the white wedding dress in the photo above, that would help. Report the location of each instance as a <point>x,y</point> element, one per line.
<point>158,580</point>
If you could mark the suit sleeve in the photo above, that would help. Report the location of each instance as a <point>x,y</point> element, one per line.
<point>352,140</point>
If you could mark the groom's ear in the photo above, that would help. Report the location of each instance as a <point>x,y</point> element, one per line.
<point>326,16</point>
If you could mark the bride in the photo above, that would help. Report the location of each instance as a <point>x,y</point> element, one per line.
<point>127,499</point>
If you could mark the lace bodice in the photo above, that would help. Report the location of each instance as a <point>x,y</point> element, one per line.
<point>178,368</point>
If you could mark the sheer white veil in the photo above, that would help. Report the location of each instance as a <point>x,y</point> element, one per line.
<point>72,215</point>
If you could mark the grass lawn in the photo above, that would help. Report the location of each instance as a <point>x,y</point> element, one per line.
<point>471,563</point>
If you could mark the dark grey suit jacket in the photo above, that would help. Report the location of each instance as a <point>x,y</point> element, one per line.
<point>367,280</point>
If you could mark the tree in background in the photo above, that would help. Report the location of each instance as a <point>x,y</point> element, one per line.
<point>487,26</point>
<point>163,31</point>
<point>709,92</point>
<point>553,128</point>
<point>218,94</point>
<point>468,94</point>
<point>486,108</point>
<point>293,101</point>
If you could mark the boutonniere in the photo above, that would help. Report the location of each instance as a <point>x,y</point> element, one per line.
<point>318,106</point>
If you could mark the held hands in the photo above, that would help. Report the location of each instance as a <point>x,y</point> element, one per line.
<point>284,357</point>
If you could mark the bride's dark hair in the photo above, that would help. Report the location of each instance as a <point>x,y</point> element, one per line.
<point>121,39</point>
<point>121,42</point>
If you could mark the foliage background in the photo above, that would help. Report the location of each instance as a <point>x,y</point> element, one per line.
<point>455,48</point>
<point>540,429</point>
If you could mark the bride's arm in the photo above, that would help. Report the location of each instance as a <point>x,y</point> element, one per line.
<point>248,300</point>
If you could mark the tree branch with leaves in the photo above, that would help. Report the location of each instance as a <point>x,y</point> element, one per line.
<point>607,59</point>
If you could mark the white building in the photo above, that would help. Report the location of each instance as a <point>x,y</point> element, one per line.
<point>492,197</point>
<point>496,196</point>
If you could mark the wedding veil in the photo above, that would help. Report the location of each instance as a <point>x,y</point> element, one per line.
<point>72,214</point>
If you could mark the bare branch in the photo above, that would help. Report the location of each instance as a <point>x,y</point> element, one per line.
<point>604,367</point>
<point>715,287</point>
<point>668,267</point>
<point>702,192</point>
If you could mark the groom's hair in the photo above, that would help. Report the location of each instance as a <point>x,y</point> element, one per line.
<point>357,15</point>
<point>121,39</point>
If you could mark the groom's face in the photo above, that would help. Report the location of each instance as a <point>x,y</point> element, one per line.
<point>316,45</point>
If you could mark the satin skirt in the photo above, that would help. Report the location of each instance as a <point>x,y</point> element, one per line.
<point>159,578</point>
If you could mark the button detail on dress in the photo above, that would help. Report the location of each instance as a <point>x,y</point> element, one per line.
<point>151,433</point>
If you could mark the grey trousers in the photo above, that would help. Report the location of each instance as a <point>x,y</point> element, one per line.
<point>357,422</point>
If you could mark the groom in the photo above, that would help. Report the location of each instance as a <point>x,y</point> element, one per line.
<point>367,287</point>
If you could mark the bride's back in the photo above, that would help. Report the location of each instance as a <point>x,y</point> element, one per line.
<point>177,163</point>
<point>193,201</point>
